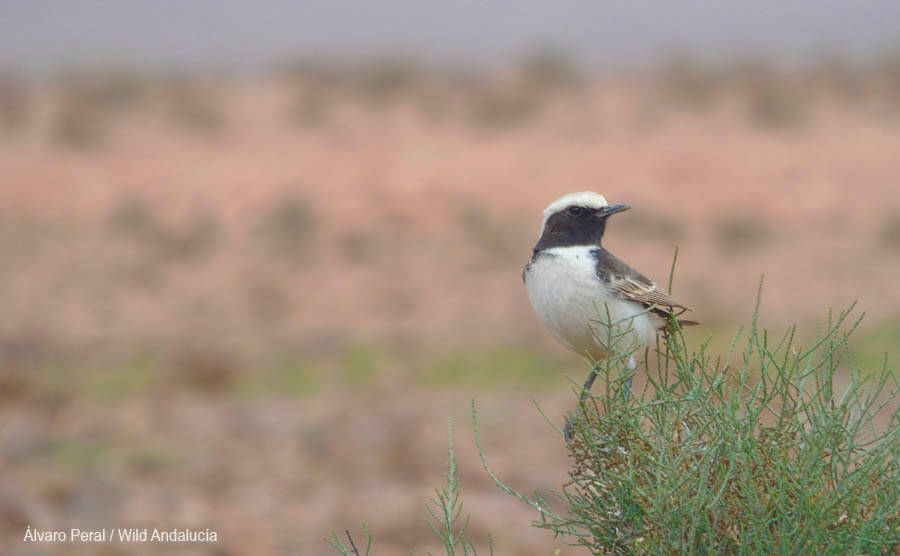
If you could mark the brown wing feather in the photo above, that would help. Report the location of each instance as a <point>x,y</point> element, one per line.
<point>643,290</point>
<point>633,285</point>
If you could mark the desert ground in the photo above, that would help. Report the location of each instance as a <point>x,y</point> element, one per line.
<point>250,304</point>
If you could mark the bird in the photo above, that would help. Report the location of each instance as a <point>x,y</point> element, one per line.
<point>586,297</point>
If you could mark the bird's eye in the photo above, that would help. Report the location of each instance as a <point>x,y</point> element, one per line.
<point>575,211</point>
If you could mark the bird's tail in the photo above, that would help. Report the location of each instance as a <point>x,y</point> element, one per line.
<point>681,322</point>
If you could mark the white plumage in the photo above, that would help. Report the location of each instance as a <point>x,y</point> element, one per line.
<point>572,304</point>
<point>589,300</point>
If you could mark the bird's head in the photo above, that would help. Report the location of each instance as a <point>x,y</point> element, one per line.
<point>576,219</point>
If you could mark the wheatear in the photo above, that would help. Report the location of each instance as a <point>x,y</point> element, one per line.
<point>583,294</point>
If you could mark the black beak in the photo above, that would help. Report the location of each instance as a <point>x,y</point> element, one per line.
<point>611,210</point>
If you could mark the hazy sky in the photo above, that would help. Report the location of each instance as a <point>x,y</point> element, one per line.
<point>48,34</point>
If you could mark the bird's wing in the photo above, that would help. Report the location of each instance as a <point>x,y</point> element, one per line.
<point>643,290</point>
<point>632,285</point>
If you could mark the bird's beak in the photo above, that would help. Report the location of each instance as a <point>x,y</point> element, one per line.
<point>610,210</point>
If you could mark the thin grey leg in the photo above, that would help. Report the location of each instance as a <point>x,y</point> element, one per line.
<point>631,365</point>
<point>568,431</point>
<point>588,384</point>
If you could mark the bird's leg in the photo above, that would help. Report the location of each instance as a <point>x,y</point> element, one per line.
<point>588,384</point>
<point>631,365</point>
<point>568,431</point>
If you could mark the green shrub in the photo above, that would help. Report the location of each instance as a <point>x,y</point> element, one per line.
<point>762,453</point>
<point>771,450</point>
<point>445,512</point>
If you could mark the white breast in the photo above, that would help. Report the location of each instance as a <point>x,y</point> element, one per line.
<point>572,304</point>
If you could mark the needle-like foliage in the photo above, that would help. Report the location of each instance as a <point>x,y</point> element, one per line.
<point>778,449</point>
<point>338,544</point>
<point>446,521</point>
<point>446,509</point>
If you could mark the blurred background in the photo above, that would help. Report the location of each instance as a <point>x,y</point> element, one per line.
<point>252,256</point>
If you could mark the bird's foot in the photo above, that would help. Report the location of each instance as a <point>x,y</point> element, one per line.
<point>569,429</point>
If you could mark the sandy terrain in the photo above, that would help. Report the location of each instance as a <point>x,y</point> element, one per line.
<point>210,236</point>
